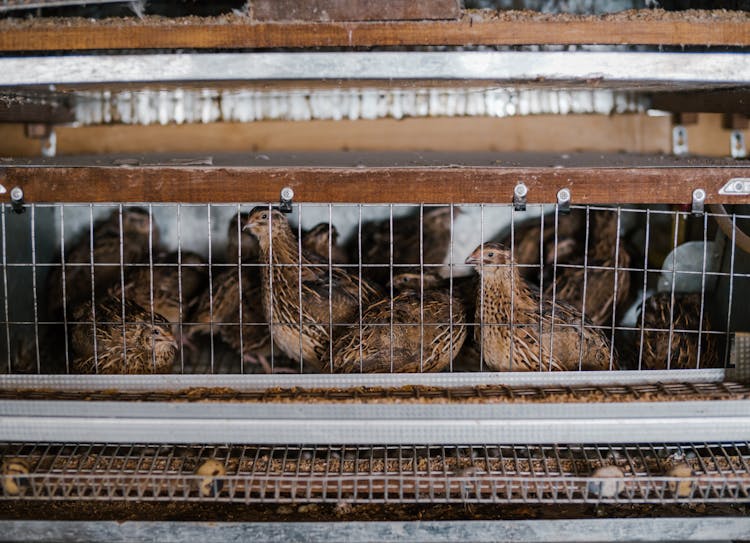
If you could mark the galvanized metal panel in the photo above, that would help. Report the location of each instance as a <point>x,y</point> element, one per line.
<point>677,69</point>
<point>159,422</point>
<point>552,531</point>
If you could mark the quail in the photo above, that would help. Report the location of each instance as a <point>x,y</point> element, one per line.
<point>318,239</point>
<point>217,311</point>
<point>601,295</point>
<point>168,278</point>
<point>405,242</point>
<point>428,330</point>
<point>136,225</point>
<point>530,240</point>
<point>515,336</point>
<point>683,318</point>
<point>302,299</point>
<point>149,344</point>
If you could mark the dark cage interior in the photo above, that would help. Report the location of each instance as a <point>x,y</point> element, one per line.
<point>350,288</point>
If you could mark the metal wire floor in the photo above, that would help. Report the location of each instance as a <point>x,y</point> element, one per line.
<point>712,472</point>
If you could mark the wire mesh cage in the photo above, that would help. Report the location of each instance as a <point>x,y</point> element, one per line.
<point>362,288</point>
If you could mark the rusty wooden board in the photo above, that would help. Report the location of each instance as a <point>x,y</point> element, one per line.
<point>375,178</point>
<point>353,10</point>
<point>472,28</point>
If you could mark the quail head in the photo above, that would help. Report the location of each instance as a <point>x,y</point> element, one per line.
<point>321,238</point>
<point>249,245</point>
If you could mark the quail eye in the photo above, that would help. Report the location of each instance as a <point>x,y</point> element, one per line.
<point>264,215</point>
<point>491,254</point>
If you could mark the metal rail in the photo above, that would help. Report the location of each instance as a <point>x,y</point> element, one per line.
<point>673,70</point>
<point>303,422</point>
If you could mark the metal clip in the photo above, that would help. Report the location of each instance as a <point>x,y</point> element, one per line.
<point>519,197</point>
<point>16,199</point>
<point>699,197</point>
<point>737,144</point>
<point>679,140</point>
<point>285,200</point>
<point>563,201</point>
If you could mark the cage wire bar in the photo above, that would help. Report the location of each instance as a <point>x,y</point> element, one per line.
<point>701,341</point>
<point>543,474</point>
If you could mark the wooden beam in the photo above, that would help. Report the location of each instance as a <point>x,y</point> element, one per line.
<point>473,28</point>
<point>15,109</point>
<point>715,101</point>
<point>378,178</point>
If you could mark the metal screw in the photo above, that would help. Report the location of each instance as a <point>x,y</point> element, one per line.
<point>16,199</point>
<point>16,194</point>
<point>563,200</point>
<point>287,193</point>
<point>519,197</point>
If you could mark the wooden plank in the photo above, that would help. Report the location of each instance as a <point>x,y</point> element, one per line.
<point>715,101</point>
<point>22,111</point>
<point>428,184</point>
<point>353,10</point>
<point>600,133</point>
<point>476,28</point>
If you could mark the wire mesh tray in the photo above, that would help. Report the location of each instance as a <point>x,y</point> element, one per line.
<point>690,473</point>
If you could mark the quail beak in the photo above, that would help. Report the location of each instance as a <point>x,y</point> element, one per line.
<point>474,258</point>
<point>250,224</point>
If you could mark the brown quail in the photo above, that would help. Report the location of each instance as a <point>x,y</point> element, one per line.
<point>169,279</point>
<point>514,336</point>
<point>604,247</point>
<point>136,224</point>
<point>149,344</point>
<point>301,298</point>
<point>377,242</point>
<point>217,311</point>
<point>427,333</point>
<point>658,354</point>
<point>316,241</point>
